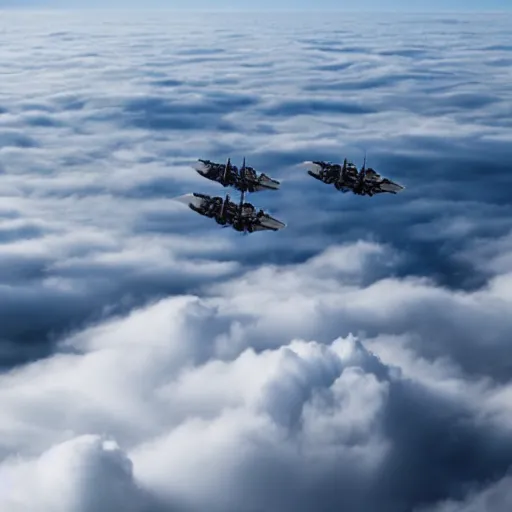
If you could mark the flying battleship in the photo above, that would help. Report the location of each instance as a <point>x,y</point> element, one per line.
<point>346,178</point>
<point>243,217</point>
<point>245,179</point>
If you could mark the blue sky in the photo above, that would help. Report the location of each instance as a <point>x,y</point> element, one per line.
<point>352,5</point>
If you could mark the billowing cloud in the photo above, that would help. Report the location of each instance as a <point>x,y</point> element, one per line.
<point>357,360</point>
<point>85,473</point>
<point>213,405</point>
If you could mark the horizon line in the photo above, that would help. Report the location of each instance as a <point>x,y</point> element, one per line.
<point>231,10</point>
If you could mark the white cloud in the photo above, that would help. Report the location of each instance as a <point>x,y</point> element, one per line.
<point>85,474</point>
<point>210,423</point>
<point>326,366</point>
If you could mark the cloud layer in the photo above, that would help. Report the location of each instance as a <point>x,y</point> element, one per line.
<point>213,407</point>
<point>359,359</point>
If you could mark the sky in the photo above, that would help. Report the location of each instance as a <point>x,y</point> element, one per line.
<point>237,5</point>
<point>357,360</point>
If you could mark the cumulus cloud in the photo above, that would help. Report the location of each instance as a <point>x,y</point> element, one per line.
<point>356,360</point>
<point>85,473</point>
<point>213,405</point>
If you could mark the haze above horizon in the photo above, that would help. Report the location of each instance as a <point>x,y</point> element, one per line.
<point>413,6</point>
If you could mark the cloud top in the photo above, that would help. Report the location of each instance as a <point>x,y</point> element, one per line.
<point>154,363</point>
